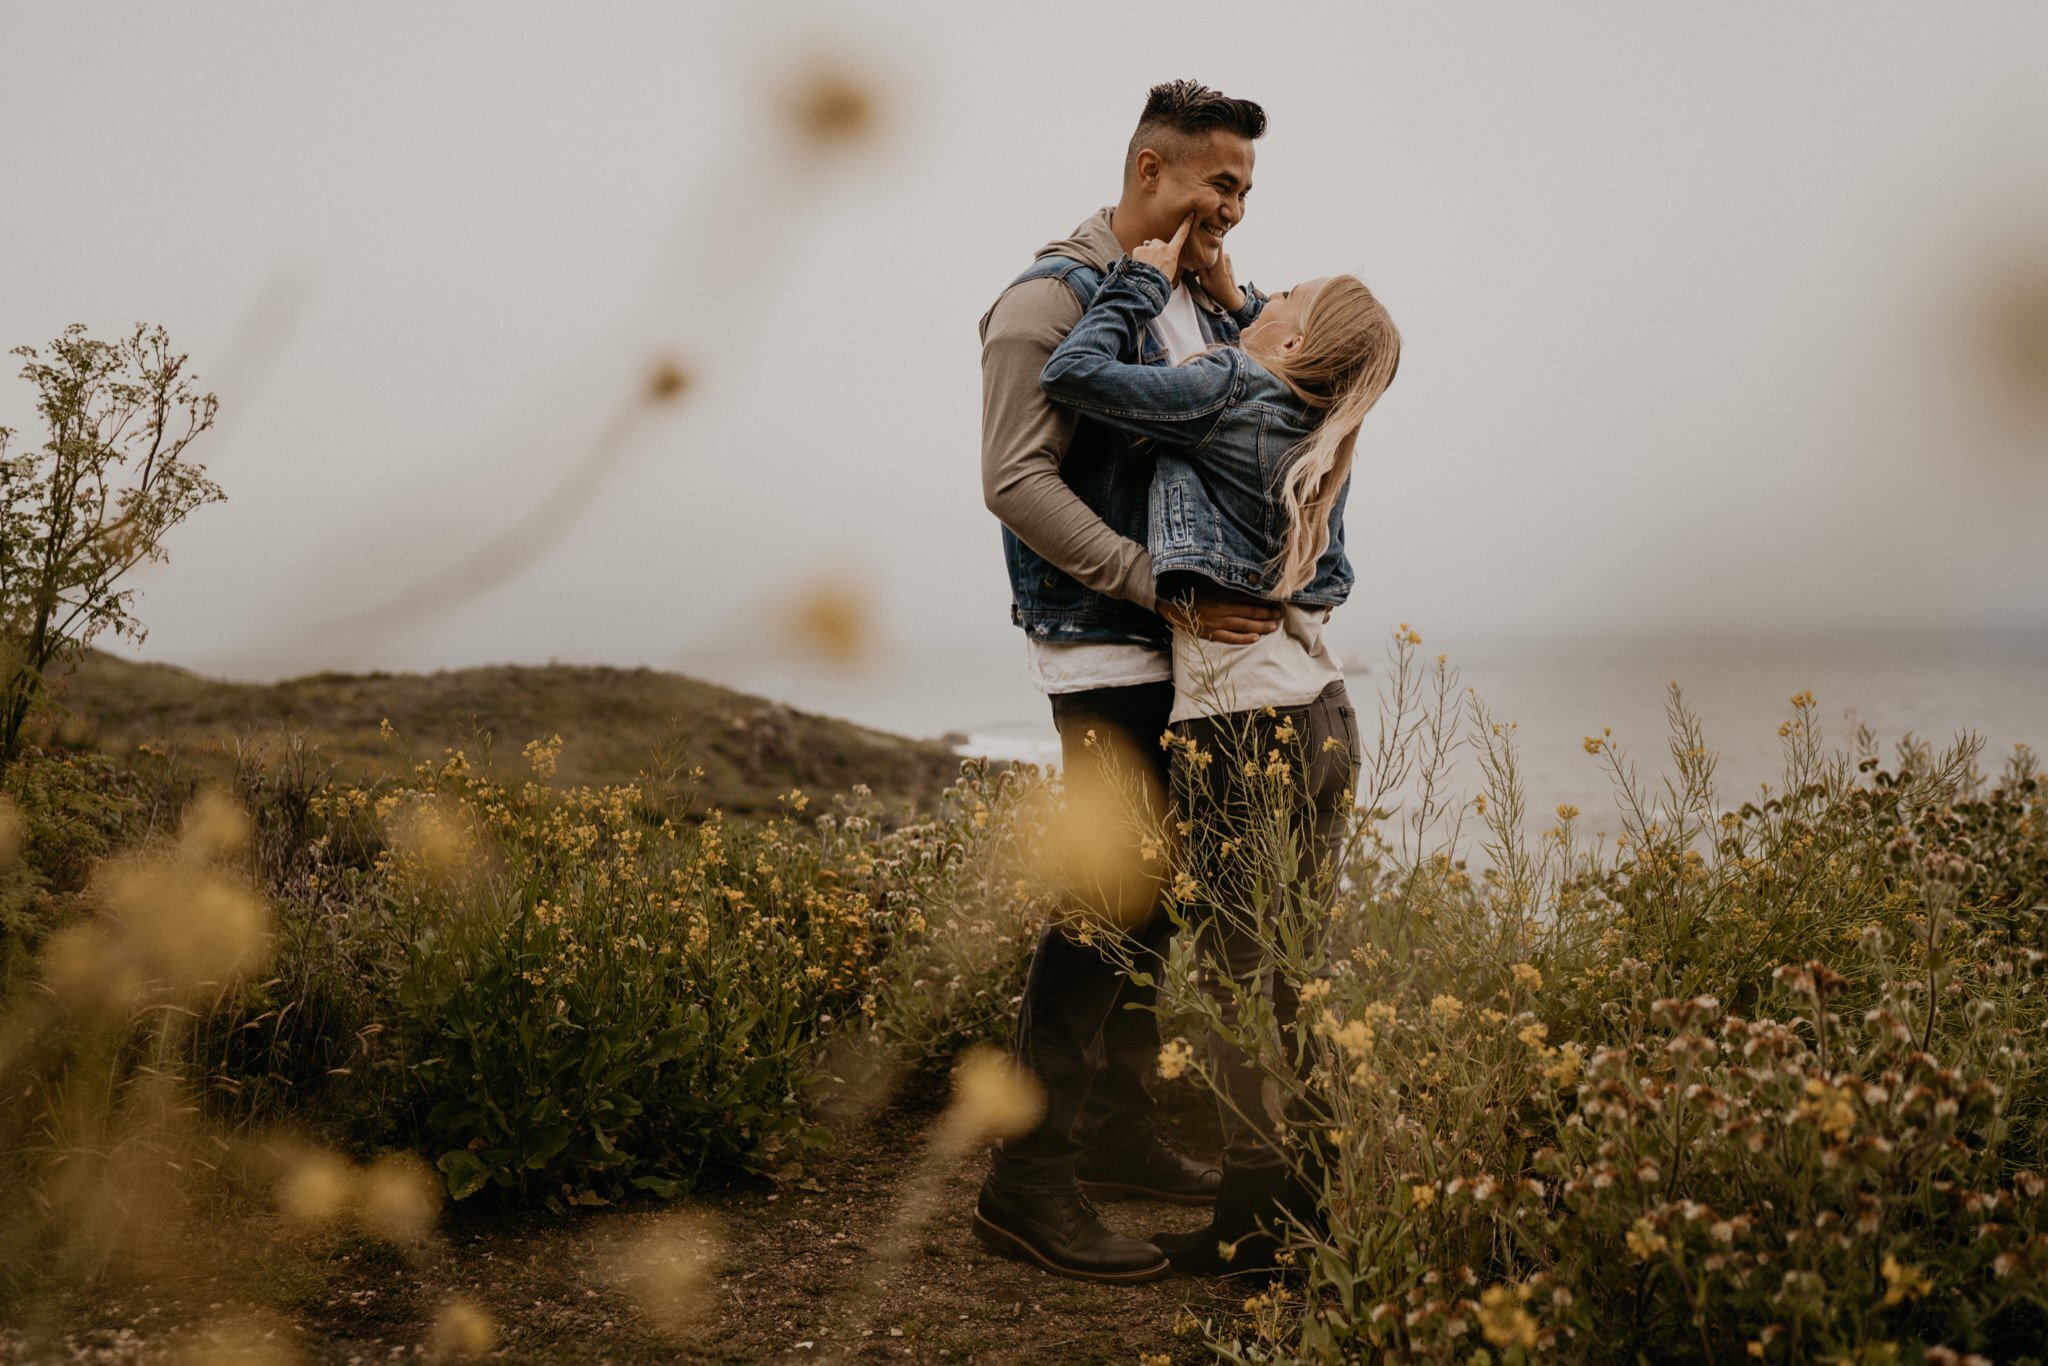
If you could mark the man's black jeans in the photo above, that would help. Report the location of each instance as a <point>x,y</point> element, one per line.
<point>1085,1030</point>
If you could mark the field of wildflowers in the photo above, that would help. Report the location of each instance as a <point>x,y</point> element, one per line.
<point>1749,1082</point>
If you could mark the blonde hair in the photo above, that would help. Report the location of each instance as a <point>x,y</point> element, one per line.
<point>1347,358</point>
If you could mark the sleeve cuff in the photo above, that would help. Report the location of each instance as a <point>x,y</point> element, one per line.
<point>1254,302</point>
<point>1146,279</point>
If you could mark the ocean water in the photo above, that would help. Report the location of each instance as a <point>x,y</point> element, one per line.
<point>1556,693</point>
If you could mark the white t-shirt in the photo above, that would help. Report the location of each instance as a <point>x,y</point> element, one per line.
<point>1178,327</point>
<point>1285,668</point>
<point>1061,668</point>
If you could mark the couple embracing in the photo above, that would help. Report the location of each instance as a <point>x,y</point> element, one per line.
<point>1169,455</point>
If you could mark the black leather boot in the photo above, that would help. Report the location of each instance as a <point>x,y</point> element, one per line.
<point>1063,1233</point>
<point>1151,1169</point>
<point>1249,1204</point>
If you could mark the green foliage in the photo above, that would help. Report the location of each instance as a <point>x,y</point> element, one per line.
<point>570,994</point>
<point>1759,1076</point>
<point>62,813</point>
<point>1754,1083</point>
<point>965,904</point>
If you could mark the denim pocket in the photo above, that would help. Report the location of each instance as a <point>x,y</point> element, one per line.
<point>1177,515</point>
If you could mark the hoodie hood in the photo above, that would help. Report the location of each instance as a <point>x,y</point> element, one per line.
<point>1093,243</point>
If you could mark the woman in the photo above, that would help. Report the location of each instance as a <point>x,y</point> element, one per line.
<point>1254,447</point>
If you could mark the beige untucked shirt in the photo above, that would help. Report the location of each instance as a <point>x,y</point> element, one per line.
<point>1289,667</point>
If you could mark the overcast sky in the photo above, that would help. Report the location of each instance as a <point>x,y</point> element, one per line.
<point>1715,317</point>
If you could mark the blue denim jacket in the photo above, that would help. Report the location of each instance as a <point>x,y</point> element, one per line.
<point>1223,429</point>
<point>1112,474</point>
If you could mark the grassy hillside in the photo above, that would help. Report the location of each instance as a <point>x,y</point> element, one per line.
<point>616,724</point>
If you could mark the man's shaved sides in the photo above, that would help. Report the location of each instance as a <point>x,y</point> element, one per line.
<point>1180,115</point>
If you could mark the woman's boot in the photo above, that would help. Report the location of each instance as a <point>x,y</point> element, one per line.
<point>1247,1200</point>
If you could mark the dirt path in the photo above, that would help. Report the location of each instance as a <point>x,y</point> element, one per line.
<point>826,1266</point>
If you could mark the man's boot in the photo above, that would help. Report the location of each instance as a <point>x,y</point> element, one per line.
<point>1062,1232</point>
<point>1150,1169</point>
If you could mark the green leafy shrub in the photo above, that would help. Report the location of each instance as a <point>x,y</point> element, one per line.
<point>65,812</point>
<point>964,904</point>
<point>573,994</point>
<point>1751,1083</point>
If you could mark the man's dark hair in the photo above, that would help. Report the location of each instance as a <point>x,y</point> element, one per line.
<point>1179,112</point>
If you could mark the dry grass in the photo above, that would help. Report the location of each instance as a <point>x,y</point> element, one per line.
<point>619,724</point>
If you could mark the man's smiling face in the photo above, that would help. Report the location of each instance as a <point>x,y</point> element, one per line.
<point>1209,179</point>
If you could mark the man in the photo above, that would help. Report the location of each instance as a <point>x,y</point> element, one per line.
<point>1072,497</point>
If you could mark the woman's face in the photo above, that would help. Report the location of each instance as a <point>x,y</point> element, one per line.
<point>1277,329</point>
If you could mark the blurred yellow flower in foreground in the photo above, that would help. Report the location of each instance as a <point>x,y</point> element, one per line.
<point>1091,847</point>
<point>832,622</point>
<point>439,834</point>
<point>461,1330</point>
<point>216,826</point>
<point>246,1339</point>
<point>666,1269</point>
<point>667,382</point>
<point>400,1198</point>
<point>831,107</point>
<point>186,927</point>
<point>992,1098</point>
<point>396,1198</point>
<point>317,1188</point>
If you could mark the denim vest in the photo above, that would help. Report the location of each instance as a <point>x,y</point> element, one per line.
<point>1112,474</point>
<point>1222,429</point>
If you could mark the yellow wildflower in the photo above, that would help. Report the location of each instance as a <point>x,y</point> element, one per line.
<point>1566,1069</point>
<point>1527,976</point>
<point>1902,1282</point>
<point>1644,1242</point>
<point>1354,1037</point>
<point>1174,1058</point>
<point>1503,1320</point>
<point>542,755</point>
<point>1831,1108</point>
